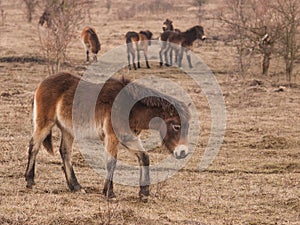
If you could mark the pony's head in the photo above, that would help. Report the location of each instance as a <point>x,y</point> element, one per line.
<point>174,131</point>
<point>200,32</point>
<point>168,25</point>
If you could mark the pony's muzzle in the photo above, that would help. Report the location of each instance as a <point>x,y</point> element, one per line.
<point>181,151</point>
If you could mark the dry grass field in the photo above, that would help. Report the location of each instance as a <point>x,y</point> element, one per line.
<point>255,178</point>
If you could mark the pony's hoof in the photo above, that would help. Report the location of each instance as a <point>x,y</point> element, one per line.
<point>29,184</point>
<point>78,188</point>
<point>111,195</point>
<point>144,198</point>
<point>82,191</point>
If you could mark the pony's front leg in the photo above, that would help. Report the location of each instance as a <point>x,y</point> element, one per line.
<point>134,145</point>
<point>188,57</point>
<point>108,189</point>
<point>180,56</point>
<point>144,175</point>
<point>111,144</point>
<point>171,56</point>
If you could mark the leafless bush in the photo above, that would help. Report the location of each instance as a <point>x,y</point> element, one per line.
<point>287,12</point>
<point>199,4</point>
<point>265,27</point>
<point>63,19</point>
<point>30,8</point>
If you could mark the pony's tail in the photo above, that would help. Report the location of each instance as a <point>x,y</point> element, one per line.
<point>128,39</point>
<point>131,35</point>
<point>48,143</point>
<point>95,41</point>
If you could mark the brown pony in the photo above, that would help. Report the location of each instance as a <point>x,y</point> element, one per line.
<point>137,42</point>
<point>180,42</point>
<point>168,25</point>
<point>54,105</point>
<point>91,42</point>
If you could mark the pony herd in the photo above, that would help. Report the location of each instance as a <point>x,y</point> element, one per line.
<point>172,41</point>
<point>54,100</point>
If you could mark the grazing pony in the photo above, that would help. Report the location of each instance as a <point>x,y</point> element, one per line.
<point>53,105</point>
<point>91,42</point>
<point>180,42</point>
<point>137,42</point>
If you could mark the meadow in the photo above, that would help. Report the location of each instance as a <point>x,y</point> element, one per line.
<point>254,179</point>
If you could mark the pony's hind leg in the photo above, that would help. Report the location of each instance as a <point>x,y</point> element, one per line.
<point>87,56</point>
<point>188,57</point>
<point>87,49</point>
<point>133,60</point>
<point>166,55</point>
<point>128,59</point>
<point>95,57</point>
<point>146,59</point>
<point>138,58</point>
<point>65,150</point>
<point>34,145</point>
<point>111,144</point>
<point>160,58</point>
<point>29,174</point>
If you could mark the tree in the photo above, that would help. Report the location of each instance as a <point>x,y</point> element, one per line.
<point>30,8</point>
<point>199,4</point>
<point>288,12</point>
<point>256,28</point>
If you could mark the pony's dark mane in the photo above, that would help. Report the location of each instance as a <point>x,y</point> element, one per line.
<point>191,34</point>
<point>156,99</point>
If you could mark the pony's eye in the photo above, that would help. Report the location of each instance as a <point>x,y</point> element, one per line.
<point>176,127</point>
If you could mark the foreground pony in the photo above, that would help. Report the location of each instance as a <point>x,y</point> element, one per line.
<point>58,100</point>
